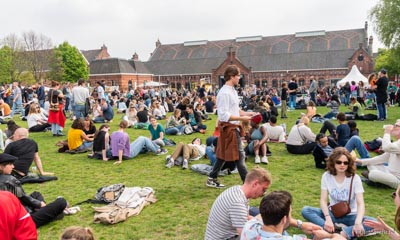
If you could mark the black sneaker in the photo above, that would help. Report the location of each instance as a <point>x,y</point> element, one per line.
<point>214,183</point>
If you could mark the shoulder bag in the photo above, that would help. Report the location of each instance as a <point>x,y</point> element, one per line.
<point>54,107</point>
<point>341,209</point>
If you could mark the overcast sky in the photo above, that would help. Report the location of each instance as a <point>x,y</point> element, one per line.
<point>128,26</point>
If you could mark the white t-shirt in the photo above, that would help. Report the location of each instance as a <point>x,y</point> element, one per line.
<point>339,192</point>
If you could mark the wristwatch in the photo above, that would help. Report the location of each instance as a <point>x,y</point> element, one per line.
<point>299,224</point>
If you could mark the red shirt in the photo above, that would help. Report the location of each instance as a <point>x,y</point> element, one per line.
<point>15,221</point>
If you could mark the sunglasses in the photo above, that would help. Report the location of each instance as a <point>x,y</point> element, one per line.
<point>394,194</point>
<point>342,162</point>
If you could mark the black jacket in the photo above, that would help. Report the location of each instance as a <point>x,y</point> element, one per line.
<point>319,154</point>
<point>11,184</point>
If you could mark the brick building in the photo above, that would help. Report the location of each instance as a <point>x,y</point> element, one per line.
<point>264,61</point>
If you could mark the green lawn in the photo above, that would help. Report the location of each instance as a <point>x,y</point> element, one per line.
<point>183,199</point>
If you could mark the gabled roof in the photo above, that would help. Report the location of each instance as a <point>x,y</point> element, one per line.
<point>117,66</point>
<point>309,50</point>
<point>91,55</point>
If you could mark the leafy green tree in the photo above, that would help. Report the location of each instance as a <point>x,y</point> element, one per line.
<point>388,59</point>
<point>72,66</point>
<point>385,16</point>
<point>6,62</point>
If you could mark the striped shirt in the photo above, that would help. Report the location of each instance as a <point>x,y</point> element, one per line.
<point>229,211</point>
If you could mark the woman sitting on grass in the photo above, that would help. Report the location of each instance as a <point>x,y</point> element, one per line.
<point>257,138</point>
<point>175,123</point>
<point>156,132</point>
<point>101,143</point>
<point>120,145</point>
<point>193,151</point>
<point>337,183</point>
<point>78,141</point>
<point>36,121</point>
<point>131,115</point>
<point>88,127</point>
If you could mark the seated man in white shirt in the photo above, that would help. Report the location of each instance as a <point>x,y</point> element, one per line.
<point>276,133</point>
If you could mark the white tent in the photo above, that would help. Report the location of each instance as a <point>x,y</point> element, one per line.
<point>152,84</point>
<point>353,75</point>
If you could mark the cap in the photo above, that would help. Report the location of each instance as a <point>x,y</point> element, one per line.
<point>256,119</point>
<point>7,158</point>
<point>383,71</point>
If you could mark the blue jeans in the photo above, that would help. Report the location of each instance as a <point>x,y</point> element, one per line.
<point>356,143</point>
<point>99,119</point>
<point>211,155</point>
<point>79,111</point>
<point>330,115</point>
<point>56,129</point>
<point>381,110</point>
<point>316,216</point>
<point>292,101</point>
<point>19,106</point>
<point>85,145</point>
<point>174,130</point>
<point>41,103</point>
<point>142,145</point>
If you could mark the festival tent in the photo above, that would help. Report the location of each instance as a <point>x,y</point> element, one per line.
<point>152,84</point>
<point>353,75</point>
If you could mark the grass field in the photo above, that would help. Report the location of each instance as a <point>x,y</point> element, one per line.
<point>183,199</point>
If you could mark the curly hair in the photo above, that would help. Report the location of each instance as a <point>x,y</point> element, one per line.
<point>336,154</point>
<point>78,124</point>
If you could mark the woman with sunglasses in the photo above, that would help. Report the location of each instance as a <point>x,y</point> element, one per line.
<point>381,226</point>
<point>335,188</point>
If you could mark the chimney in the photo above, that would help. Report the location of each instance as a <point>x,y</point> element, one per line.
<point>370,42</point>
<point>135,57</point>
<point>158,43</point>
<point>366,26</point>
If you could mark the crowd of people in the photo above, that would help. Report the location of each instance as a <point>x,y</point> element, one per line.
<point>246,124</point>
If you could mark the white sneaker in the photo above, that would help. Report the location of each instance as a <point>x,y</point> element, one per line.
<point>257,160</point>
<point>264,159</point>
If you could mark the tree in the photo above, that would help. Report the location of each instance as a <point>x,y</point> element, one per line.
<point>69,63</point>
<point>385,16</point>
<point>19,63</point>
<point>6,65</point>
<point>389,60</point>
<point>38,53</point>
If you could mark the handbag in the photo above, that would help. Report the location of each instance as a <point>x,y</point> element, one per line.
<point>54,107</point>
<point>341,209</point>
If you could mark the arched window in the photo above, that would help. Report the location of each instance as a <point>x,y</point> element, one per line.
<point>264,83</point>
<point>301,82</point>
<point>274,83</point>
<point>321,82</point>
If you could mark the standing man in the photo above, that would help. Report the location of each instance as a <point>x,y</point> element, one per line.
<point>41,95</point>
<point>292,93</point>
<point>313,89</point>
<point>17,101</point>
<point>79,96</point>
<point>229,147</point>
<point>381,94</point>
<point>100,91</point>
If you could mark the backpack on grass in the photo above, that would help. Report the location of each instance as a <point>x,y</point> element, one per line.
<point>107,194</point>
